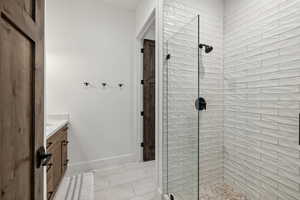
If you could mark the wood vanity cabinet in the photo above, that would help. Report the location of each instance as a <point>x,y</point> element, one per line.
<point>57,145</point>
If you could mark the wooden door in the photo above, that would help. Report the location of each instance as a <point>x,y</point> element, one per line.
<point>21,98</point>
<point>149,100</point>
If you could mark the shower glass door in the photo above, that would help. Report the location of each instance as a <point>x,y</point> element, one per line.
<point>181,116</point>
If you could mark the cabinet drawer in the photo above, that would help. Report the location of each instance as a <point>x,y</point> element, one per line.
<point>52,141</point>
<point>64,152</point>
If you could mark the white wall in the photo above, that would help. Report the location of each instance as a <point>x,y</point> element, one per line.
<point>143,12</point>
<point>92,41</point>
<point>262,93</point>
<point>150,34</point>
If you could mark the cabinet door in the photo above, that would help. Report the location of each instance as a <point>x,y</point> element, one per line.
<point>56,164</point>
<point>50,183</point>
<point>64,154</point>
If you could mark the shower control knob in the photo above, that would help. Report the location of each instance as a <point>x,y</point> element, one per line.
<point>200,104</point>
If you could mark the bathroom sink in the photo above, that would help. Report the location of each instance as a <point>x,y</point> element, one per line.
<point>53,125</point>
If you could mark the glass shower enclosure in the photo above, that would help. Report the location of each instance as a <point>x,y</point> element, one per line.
<point>193,117</point>
<point>182,114</point>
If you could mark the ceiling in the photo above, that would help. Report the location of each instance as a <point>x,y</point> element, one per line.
<point>127,4</point>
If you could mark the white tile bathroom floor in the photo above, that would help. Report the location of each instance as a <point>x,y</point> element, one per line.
<point>134,181</point>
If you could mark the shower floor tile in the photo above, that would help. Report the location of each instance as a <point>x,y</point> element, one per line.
<point>213,192</point>
<point>220,192</point>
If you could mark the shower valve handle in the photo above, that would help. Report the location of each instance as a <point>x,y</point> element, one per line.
<point>200,104</point>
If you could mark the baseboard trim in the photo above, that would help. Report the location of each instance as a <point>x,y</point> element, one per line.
<point>166,197</point>
<point>81,167</point>
<point>160,193</point>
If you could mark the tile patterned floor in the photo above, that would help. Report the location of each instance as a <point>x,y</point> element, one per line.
<point>126,182</point>
<point>135,181</point>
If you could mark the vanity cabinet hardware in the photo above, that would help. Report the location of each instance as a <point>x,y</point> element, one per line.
<point>66,163</point>
<point>65,142</point>
<point>49,166</point>
<point>49,144</point>
<point>50,195</point>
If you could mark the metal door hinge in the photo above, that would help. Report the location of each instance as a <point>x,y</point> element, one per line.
<point>142,144</point>
<point>168,57</point>
<point>172,197</point>
<point>142,50</point>
<point>142,82</point>
<point>142,113</point>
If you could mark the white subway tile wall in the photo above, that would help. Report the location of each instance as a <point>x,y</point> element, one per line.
<point>262,98</point>
<point>181,80</point>
<point>249,134</point>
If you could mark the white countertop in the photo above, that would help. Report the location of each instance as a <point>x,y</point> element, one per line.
<point>54,123</point>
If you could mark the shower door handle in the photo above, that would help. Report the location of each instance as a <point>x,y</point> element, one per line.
<point>200,104</point>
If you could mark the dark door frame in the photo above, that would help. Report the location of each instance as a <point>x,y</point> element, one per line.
<point>138,106</point>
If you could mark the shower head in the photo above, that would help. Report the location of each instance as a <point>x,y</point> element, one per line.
<point>208,48</point>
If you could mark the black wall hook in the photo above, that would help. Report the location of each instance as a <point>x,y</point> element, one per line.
<point>86,84</point>
<point>207,48</point>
